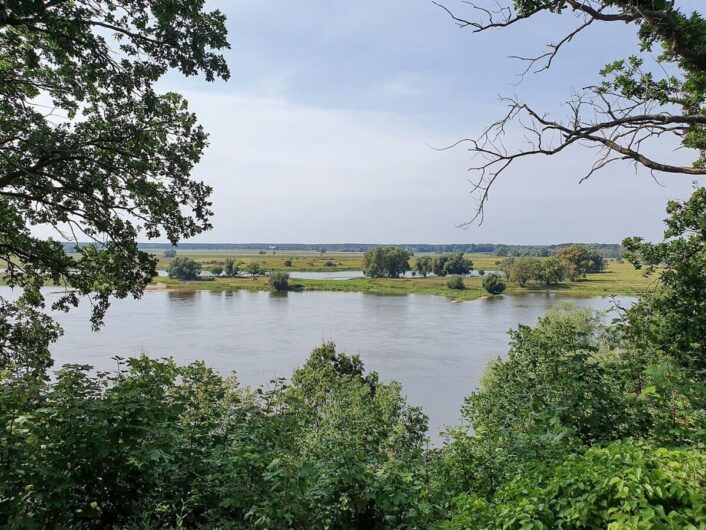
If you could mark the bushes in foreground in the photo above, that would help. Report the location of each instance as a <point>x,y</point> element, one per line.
<point>162,446</point>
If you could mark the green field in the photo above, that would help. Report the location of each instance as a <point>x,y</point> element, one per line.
<point>301,261</point>
<point>617,279</point>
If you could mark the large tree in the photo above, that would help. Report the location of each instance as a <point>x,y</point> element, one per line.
<point>91,149</point>
<point>629,113</point>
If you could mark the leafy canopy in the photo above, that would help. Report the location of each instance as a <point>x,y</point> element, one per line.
<point>90,148</point>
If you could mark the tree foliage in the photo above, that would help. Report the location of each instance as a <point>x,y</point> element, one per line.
<point>162,446</point>
<point>618,486</point>
<point>493,283</point>
<point>254,269</point>
<point>90,147</point>
<point>423,265</point>
<point>183,268</point>
<point>674,318</point>
<point>389,262</point>
<point>579,261</point>
<point>230,267</point>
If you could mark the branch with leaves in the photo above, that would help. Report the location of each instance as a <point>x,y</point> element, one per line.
<point>90,148</point>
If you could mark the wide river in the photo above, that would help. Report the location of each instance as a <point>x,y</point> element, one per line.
<point>437,349</point>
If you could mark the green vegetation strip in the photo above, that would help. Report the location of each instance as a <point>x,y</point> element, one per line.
<point>617,279</point>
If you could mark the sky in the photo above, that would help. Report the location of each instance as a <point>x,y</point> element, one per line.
<point>324,133</point>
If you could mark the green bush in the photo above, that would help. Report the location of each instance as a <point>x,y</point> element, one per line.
<point>254,269</point>
<point>163,446</point>
<point>455,282</point>
<point>279,281</point>
<point>622,485</point>
<point>493,284</point>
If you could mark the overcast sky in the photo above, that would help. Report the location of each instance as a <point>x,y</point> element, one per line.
<point>323,132</point>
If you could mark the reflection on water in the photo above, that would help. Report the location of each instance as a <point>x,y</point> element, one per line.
<point>435,348</point>
<point>181,296</point>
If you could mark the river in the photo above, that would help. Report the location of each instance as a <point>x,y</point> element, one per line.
<point>437,349</point>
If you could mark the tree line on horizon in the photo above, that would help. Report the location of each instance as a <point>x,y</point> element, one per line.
<point>606,250</point>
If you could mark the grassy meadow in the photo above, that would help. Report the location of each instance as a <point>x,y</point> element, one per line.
<point>301,260</point>
<point>617,279</point>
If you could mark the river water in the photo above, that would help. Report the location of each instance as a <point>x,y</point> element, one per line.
<point>437,349</point>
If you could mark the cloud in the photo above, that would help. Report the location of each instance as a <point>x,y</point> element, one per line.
<point>287,172</point>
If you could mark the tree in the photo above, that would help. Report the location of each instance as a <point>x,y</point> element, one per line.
<point>457,264</point>
<point>390,262</point>
<point>279,281</point>
<point>525,269</point>
<point>216,270</point>
<point>629,114</point>
<point>577,261</point>
<point>230,267</point>
<point>493,283</point>
<point>112,158</point>
<point>183,269</point>
<point>438,266</point>
<point>423,265</point>
<point>552,271</point>
<point>673,318</point>
<point>253,268</point>
<point>169,253</point>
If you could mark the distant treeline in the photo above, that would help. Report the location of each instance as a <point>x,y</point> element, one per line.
<point>603,249</point>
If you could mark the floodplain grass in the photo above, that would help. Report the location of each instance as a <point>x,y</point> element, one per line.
<point>302,260</point>
<point>617,279</point>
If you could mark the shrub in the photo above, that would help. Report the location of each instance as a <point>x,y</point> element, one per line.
<point>622,485</point>
<point>330,263</point>
<point>169,253</point>
<point>288,262</point>
<point>493,283</point>
<point>279,281</point>
<point>216,270</point>
<point>253,268</point>
<point>455,282</point>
